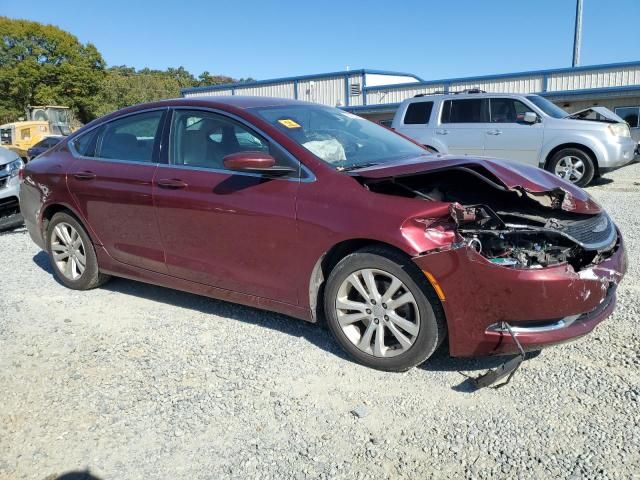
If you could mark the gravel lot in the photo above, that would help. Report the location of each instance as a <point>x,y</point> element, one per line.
<point>136,381</point>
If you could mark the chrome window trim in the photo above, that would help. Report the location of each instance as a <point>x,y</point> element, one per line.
<point>77,155</point>
<point>306,175</point>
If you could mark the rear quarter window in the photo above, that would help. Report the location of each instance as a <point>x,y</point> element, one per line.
<point>418,113</point>
<point>85,144</point>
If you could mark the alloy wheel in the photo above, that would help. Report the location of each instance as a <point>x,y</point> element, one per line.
<point>570,168</point>
<point>377,313</point>
<point>68,251</point>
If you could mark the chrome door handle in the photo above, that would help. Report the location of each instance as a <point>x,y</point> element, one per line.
<point>442,132</point>
<point>171,183</point>
<point>86,175</point>
<point>494,132</point>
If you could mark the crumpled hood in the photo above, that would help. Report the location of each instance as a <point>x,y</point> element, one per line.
<point>512,175</point>
<point>596,114</point>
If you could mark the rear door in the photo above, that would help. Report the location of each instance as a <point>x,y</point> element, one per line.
<point>462,125</point>
<point>228,229</point>
<point>110,181</point>
<point>508,137</point>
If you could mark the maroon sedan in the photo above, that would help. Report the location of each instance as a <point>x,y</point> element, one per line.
<point>316,213</point>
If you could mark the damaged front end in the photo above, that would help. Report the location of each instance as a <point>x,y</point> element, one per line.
<point>511,226</point>
<point>528,266</point>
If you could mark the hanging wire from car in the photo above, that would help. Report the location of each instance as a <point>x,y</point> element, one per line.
<point>507,369</point>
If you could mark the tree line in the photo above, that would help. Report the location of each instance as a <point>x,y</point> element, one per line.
<point>45,65</point>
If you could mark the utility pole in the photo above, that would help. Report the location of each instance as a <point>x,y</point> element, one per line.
<point>577,38</point>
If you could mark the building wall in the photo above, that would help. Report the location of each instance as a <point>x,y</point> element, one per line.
<point>610,103</point>
<point>595,78</point>
<point>280,90</point>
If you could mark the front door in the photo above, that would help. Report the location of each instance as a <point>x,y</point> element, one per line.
<point>227,229</point>
<point>111,183</point>
<point>508,137</point>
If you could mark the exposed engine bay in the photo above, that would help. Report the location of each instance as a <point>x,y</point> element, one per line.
<point>510,227</point>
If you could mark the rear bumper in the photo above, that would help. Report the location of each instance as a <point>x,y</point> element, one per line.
<point>547,306</point>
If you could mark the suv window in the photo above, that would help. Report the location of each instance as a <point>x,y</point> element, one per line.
<point>203,139</point>
<point>418,113</point>
<point>507,110</point>
<point>468,110</point>
<point>631,115</point>
<point>130,138</point>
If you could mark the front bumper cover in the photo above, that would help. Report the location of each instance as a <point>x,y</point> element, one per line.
<point>480,295</point>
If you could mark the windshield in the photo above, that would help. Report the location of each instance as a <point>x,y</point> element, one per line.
<point>58,115</point>
<point>547,107</point>
<point>341,139</point>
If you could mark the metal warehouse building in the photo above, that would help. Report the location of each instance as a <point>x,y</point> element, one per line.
<point>375,94</point>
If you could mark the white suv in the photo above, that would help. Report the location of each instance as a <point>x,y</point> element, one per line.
<point>523,128</point>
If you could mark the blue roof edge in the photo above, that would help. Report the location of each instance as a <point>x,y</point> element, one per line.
<point>342,73</point>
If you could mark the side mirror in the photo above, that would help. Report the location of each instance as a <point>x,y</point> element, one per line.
<point>255,162</point>
<point>530,117</point>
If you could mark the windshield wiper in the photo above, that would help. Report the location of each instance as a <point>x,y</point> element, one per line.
<point>355,166</point>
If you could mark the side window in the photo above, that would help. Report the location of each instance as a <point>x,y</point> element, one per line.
<point>631,115</point>
<point>418,113</point>
<point>507,110</point>
<point>86,143</point>
<point>468,110</point>
<point>203,139</point>
<point>130,138</point>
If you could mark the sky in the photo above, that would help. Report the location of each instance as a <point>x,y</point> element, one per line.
<point>268,39</point>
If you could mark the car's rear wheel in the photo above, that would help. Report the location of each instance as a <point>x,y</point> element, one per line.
<point>72,254</point>
<point>382,310</point>
<point>573,165</point>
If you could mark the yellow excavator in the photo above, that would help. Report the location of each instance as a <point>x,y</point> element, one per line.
<point>42,121</point>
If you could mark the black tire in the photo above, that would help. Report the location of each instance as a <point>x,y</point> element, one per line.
<point>10,222</point>
<point>589,166</point>
<point>91,276</point>
<point>432,329</point>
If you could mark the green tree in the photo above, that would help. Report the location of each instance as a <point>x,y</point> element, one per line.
<point>42,64</point>
<point>123,86</point>
<point>207,79</point>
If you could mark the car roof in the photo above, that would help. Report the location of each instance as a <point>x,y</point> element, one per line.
<point>464,96</point>
<point>237,101</point>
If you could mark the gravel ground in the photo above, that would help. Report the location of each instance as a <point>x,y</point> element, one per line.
<point>136,381</point>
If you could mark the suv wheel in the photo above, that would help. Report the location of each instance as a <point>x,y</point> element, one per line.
<point>382,310</point>
<point>72,255</point>
<point>573,165</point>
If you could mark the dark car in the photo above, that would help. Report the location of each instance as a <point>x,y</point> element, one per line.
<point>314,212</point>
<point>43,145</point>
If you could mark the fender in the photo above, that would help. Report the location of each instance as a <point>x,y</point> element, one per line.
<point>567,137</point>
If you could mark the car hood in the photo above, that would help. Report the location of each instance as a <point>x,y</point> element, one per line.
<point>7,156</point>
<point>539,184</point>
<point>596,114</point>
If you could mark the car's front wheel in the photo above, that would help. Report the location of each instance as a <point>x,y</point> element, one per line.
<point>574,165</point>
<point>71,253</point>
<point>382,310</point>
